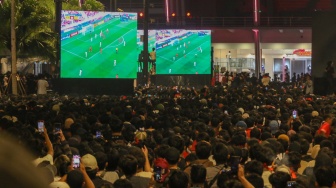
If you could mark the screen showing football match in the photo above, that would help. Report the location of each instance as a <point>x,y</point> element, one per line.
<point>98,44</point>
<point>180,51</point>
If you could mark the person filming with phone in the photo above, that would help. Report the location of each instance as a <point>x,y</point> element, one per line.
<point>36,144</point>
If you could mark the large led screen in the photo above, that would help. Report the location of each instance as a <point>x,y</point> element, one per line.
<point>98,44</point>
<point>180,51</point>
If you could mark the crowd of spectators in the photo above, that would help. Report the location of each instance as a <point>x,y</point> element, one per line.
<point>245,135</point>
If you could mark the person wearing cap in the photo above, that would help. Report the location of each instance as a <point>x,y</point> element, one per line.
<point>91,168</point>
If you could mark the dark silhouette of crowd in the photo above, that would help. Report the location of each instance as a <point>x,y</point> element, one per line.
<point>247,134</point>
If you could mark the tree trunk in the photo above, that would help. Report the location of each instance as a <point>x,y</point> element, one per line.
<point>13,45</point>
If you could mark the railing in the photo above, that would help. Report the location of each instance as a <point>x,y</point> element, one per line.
<point>204,22</point>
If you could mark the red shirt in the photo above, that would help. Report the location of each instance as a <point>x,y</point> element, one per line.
<point>325,128</point>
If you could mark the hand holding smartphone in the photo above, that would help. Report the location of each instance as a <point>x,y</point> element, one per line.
<point>40,126</point>
<point>294,114</point>
<point>57,128</point>
<point>235,160</point>
<point>98,134</point>
<point>75,161</point>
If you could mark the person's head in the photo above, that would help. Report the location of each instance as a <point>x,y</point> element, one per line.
<point>101,158</point>
<point>325,176</point>
<point>294,159</point>
<point>178,179</point>
<point>255,133</point>
<point>253,167</point>
<point>198,174</point>
<point>112,160</point>
<point>263,154</point>
<point>220,153</point>
<point>172,155</point>
<point>139,155</point>
<point>255,179</point>
<point>129,165</point>
<point>279,179</point>
<point>75,179</point>
<point>91,165</point>
<point>62,163</point>
<point>203,150</point>
<point>176,142</point>
<point>122,183</point>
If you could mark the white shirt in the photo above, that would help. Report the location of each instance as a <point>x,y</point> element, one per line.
<point>42,86</point>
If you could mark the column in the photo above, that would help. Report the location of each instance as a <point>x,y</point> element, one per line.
<point>256,35</point>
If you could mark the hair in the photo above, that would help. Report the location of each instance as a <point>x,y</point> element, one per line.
<point>128,132</point>
<point>325,176</point>
<point>294,159</point>
<point>122,183</point>
<point>198,174</point>
<point>191,157</point>
<point>112,160</point>
<point>203,150</point>
<point>304,145</point>
<point>172,156</point>
<point>62,163</point>
<point>139,155</point>
<point>262,154</point>
<point>129,165</point>
<point>178,178</point>
<point>255,179</point>
<point>279,179</point>
<point>327,143</point>
<point>255,133</point>
<point>254,166</point>
<point>101,158</point>
<point>176,142</point>
<point>238,139</point>
<point>220,153</point>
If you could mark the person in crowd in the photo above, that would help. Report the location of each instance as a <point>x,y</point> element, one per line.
<point>128,164</point>
<point>178,179</point>
<point>175,131</point>
<point>91,168</point>
<point>42,85</point>
<point>203,151</point>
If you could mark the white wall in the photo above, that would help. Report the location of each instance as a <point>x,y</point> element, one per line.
<point>269,52</point>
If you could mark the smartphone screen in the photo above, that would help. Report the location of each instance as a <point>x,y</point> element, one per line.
<point>98,134</point>
<point>57,127</point>
<point>75,161</point>
<point>235,160</point>
<point>291,183</point>
<point>40,126</point>
<point>294,114</point>
<point>157,173</point>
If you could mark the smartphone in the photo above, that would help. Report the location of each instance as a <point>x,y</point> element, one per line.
<point>40,126</point>
<point>75,161</point>
<point>291,183</point>
<point>57,127</point>
<point>157,173</point>
<point>235,160</point>
<point>98,134</point>
<point>294,114</point>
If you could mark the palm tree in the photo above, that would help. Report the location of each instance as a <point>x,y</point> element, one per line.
<point>34,27</point>
<point>34,37</point>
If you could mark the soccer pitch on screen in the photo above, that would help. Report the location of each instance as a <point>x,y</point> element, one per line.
<point>180,52</point>
<point>98,44</point>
